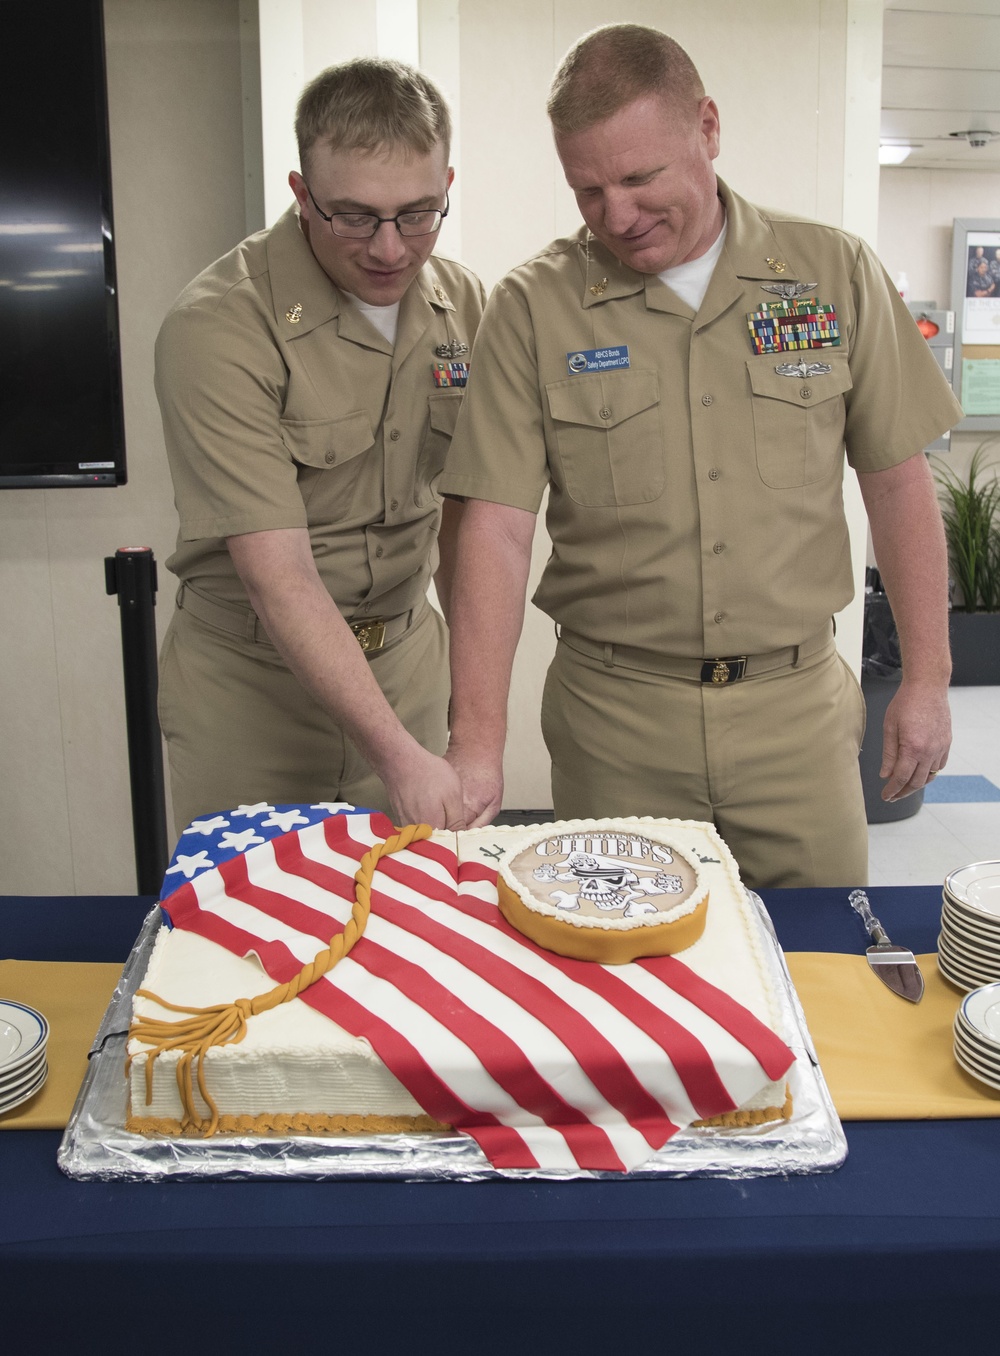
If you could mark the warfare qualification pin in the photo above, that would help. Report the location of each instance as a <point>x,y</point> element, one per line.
<point>787,291</point>
<point>455,349</point>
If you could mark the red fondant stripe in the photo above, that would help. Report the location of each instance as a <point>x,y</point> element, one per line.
<point>769,1050</point>
<point>500,1056</point>
<point>597,1057</point>
<point>438,1101</point>
<point>686,1053</point>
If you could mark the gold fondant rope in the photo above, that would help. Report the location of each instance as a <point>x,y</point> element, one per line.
<point>226,1023</point>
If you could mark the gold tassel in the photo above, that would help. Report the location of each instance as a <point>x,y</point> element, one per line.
<point>226,1023</point>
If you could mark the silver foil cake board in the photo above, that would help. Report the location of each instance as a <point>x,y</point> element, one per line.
<point>96,1144</point>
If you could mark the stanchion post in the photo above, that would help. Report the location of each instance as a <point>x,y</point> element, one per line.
<point>131,574</point>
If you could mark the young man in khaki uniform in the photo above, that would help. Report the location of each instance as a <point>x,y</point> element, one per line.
<point>309,383</point>
<point>650,373</point>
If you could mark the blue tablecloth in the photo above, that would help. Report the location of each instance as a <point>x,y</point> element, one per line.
<point>901,1245</point>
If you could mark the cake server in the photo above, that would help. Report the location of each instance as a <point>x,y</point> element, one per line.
<point>894,965</point>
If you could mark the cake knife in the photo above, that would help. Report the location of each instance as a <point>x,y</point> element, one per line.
<point>894,965</point>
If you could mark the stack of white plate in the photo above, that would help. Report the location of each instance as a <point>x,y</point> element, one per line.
<point>24,1035</point>
<point>969,944</point>
<point>977,1034</point>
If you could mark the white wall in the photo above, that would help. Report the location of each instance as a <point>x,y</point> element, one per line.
<point>65,817</point>
<point>791,102</point>
<point>916,211</point>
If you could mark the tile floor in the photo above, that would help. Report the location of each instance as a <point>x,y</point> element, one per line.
<point>959,820</point>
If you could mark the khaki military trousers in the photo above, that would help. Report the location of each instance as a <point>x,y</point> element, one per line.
<point>240,728</point>
<point>772,760</point>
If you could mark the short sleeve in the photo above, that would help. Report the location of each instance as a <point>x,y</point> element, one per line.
<point>900,400</point>
<point>498,449</point>
<point>220,381</point>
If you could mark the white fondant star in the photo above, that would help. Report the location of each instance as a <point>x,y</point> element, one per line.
<point>207,826</point>
<point>284,819</point>
<point>332,807</point>
<point>252,811</point>
<point>239,842</point>
<point>191,865</point>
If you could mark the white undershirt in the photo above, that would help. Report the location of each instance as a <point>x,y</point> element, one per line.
<point>690,281</point>
<point>384,318</point>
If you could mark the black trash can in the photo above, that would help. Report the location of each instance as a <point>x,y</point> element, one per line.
<point>881,673</point>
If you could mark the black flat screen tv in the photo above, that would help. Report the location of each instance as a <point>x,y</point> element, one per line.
<point>61,421</point>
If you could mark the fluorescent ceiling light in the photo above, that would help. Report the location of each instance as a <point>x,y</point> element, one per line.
<point>893,155</point>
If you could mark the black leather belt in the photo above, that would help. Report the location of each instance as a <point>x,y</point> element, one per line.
<point>717,671</point>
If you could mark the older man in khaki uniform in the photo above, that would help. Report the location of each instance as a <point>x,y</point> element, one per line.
<point>683,376</point>
<point>309,383</point>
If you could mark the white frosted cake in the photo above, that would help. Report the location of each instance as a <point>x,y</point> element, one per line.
<point>444,1016</point>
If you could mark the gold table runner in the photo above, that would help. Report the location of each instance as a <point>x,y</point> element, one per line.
<point>882,1058</point>
<point>72,996</point>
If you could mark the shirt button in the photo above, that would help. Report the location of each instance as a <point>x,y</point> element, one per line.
<point>394,434</point>
<point>707,399</point>
<point>719,617</point>
<point>394,504</point>
<point>378,552</point>
<point>806,392</point>
<point>330,458</point>
<point>605,413</point>
<point>714,473</point>
<point>719,547</point>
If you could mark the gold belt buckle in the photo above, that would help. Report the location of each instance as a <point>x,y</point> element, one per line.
<point>370,634</point>
<point>728,670</point>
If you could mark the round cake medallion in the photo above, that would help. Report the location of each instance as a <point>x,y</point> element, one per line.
<point>605,891</point>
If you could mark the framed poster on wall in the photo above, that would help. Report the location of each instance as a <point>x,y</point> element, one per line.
<point>975,299</point>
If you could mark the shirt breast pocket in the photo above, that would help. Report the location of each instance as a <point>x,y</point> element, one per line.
<point>609,437</point>
<point>798,422</point>
<point>442,415</point>
<point>328,452</point>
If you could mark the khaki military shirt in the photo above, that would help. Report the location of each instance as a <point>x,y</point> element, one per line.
<point>695,493</point>
<point>283,407</point>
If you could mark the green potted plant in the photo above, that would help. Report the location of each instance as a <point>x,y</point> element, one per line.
<point>970,507</point>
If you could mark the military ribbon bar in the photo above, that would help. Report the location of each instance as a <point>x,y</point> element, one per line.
<point>450,374</point>
<point>789,326</point>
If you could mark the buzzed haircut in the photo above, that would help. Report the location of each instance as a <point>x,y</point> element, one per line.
<point>371,104</point>
<point>613,66</point>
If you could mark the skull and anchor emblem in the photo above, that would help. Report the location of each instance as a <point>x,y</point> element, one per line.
<point>609,884</point>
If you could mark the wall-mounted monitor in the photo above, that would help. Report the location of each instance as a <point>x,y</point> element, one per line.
<point>61,418</point>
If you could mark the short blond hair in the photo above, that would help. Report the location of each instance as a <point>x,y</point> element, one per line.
<point>371,104</point>
<point>613,66</point>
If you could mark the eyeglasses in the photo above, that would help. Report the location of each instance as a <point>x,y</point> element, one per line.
<point>363,225</point>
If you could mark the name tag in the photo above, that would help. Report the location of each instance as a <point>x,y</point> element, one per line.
<point>598,359</point>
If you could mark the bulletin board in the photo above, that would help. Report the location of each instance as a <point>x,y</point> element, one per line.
<point>975,299</point>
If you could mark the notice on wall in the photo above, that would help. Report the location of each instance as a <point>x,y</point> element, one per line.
<point>981,308</point>
<point>981,385</point>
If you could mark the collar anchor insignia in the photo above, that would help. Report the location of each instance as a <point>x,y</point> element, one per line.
<point>775,265</point>
<point>599,288</point>
<point>294,315</point>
